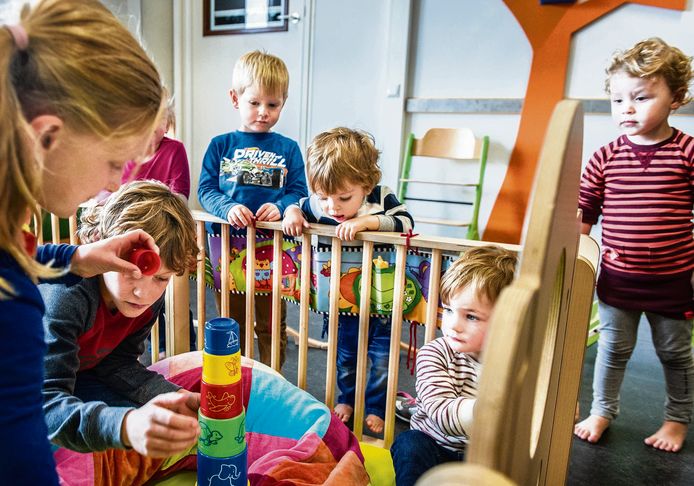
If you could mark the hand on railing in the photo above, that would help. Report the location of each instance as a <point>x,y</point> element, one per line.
<point>348,230</point>
<point>293,223</point>
<point>111,254</point>
<point>268,212</point>
<point>240,216</point>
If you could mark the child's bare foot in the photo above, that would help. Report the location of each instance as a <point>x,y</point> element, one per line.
<point>669,437</point>
<point>577,413</point>
<point>592,428</point>
<point>374,423</point>
<point>343,412</point>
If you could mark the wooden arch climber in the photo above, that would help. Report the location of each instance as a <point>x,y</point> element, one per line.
<point>534,353</point>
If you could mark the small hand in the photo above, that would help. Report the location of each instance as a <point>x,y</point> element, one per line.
<point>293,223</point>
<point>110,255</point>
<point>348,230</point>
<point>240,216</point>
<point>268,212</point>
<point>164,426</point>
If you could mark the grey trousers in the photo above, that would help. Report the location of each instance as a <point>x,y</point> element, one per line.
<point>673,344</point>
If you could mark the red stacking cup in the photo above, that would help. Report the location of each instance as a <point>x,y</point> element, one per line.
<point>146,260</point>
<point>221,401</point>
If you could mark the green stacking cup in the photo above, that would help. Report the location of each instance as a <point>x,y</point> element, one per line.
<point>222,437</point>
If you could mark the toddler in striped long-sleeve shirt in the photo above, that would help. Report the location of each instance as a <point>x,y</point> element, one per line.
<point>343,175</point>
<point>643,186</point>
<point>448,368</point>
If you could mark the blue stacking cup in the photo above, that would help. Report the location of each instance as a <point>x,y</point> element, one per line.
<point>223,470</point>
<point>222,336</point>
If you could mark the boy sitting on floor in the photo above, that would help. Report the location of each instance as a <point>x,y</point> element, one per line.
<point>97,395</point>
<point>448,368</point>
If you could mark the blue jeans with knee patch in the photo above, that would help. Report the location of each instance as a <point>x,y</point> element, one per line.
<point>672,339</point>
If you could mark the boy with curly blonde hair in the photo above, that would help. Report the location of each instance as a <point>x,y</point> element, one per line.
<point>641,184</point>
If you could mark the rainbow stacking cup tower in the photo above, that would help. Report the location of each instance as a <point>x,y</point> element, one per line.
<point>222,452</point>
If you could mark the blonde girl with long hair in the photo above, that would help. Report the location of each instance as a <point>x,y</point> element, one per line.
<point>79,97</point>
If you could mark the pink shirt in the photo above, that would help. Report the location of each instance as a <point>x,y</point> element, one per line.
<point>168,165</point>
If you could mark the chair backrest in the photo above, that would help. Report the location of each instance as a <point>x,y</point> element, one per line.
<point>457,144</point>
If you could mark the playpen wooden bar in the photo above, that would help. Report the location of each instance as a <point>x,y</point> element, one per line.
<point>433,303</point>
<point>72,225</point>
<point>363,343</point>
<point>304,310</point>
<point>250,296</point>
<point>224,276</point>
<point>395,334</point>
<point>200,290</point>
<point>331,366</point>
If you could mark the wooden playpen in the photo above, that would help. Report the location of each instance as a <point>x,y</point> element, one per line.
<point>534,353</point>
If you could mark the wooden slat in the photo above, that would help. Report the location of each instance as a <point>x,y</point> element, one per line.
<point>72,223</point>
<point>55,229</point>
<point>331,367</point>
<point>177,319</point>
<point>154,342</point>
<point>433,302</point>
<point>276,300</point>
<point>395,334</point>
<point>38,230</point>
<point>363,339</point>
<point>201,292</point>
<point>304,309</point>
<point>250,291</point>
<point>225,271</point>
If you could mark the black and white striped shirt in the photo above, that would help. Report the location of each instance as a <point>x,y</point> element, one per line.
<point>381,202</point>
<point>445,380</point>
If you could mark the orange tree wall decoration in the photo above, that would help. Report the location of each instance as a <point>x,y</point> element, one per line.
<point>549,29</point>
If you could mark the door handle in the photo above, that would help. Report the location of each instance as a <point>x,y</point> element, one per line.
<point>293,17</point>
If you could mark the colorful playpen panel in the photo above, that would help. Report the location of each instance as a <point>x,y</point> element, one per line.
<point>417,275</point>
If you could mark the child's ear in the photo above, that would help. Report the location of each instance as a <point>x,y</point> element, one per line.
<point>48,129</point>
<point>234,98</point>
<point>678,98</point>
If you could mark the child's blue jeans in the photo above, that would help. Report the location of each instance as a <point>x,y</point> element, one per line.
<point>379,348</point>
<point>414,453</point>
<point>672,339</point>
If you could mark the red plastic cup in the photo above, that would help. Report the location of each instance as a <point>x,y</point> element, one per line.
<point>146,260</point>
<point>221,401</point>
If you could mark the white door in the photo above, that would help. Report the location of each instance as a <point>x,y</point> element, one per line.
<point>204,81</point>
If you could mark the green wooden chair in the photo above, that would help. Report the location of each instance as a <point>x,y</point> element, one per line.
<point>456,144</point>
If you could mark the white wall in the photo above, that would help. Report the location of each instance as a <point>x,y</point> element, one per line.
<point>458,49</point>
<point>471,49</point>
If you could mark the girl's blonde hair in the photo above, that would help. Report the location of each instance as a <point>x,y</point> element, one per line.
<point>654,57</point>
<point>488,268</point>
<point>81,65</point>
<point>152,207</point>
<point>340,156</point>
<point>265,71</point>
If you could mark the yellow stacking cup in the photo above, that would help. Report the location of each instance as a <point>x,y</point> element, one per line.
<point>221,370</point>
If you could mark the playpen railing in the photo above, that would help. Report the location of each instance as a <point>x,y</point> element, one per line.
<point>437,246</point>
<point>535,349</point>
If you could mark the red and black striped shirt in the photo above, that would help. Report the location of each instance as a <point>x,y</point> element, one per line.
<point>645,194</point>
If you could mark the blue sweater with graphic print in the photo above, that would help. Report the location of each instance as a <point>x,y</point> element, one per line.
<point>251,169</point>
